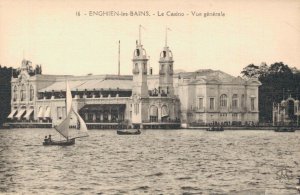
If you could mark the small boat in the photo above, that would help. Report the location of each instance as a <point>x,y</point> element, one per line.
<point>63,127</point>
<point>128,132</point>
<point>285,129</point>
<point>67,142</point>
<point>215,128</point>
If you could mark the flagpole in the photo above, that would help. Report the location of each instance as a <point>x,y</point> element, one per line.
<point>140,34</point>
<point>166,38</point>
<point>119,59</point>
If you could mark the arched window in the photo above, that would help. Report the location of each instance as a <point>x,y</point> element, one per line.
<point>31,93</point>
<point>15,95</point>
<point>153,114</point>
<point>223,101</point>
<point>234,101</point>
<point>164,113</point>
<point>135,69</point>
<point>23,93</point>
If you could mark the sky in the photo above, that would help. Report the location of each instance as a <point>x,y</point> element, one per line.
<point>49,33</point>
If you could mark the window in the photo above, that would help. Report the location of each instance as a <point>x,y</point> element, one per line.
<point>200,103</point>
<point>135,69</point>
<point>212,103</point>
<point>31,93</point>
<point>234,116</point>
<point>136,108</point>
<point>223,114</point>
<point>59,113</point>
<point>64,113</point>
<point>153,114</point>
<point>252,104</point>
<point>145,69</point>
<point>23,93</point>
<point>234,101</point>
<point>15,93</point>
<point>243,101</point>
<point>223,101</point>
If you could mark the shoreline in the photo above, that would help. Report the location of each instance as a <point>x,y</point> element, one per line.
<point>237,128</point>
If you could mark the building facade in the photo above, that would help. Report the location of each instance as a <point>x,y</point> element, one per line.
<point>167,100</point>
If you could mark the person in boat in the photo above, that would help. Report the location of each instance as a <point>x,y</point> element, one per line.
<point>46,139</point>
<point>49,139</point>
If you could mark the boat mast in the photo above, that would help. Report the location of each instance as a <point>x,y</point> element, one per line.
<point>66,104</point>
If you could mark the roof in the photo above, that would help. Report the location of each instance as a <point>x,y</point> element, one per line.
<point>90,84</point>
<point>214,76</point>
<point>124,82</point>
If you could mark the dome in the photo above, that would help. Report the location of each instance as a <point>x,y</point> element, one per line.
<point>166,54</point>
<point>139,52</point>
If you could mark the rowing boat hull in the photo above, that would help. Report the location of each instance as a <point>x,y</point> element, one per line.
<point>215,129</point>
<point>60,143</point>
<point>122,132</point>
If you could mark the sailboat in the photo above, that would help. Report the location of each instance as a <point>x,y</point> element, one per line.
<point>63,127</point>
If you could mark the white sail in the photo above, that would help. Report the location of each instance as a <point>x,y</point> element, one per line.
<point>63,127</point>
<point>82,124</point>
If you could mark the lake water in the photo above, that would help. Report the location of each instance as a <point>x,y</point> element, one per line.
<point>156,162</point>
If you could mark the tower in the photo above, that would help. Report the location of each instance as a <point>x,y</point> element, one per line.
<point>166,70</point>
<point>139,71</point>
<point>140,94</point>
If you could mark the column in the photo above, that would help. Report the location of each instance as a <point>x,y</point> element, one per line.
<point>101,116</point>
<point>109,115</point>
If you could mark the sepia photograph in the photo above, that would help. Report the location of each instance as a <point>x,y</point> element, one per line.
<point>150,97</point>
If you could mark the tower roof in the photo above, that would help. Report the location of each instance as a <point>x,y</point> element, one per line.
<point>139,52</point>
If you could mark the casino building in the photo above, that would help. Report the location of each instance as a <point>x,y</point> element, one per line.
<point>167,100</point>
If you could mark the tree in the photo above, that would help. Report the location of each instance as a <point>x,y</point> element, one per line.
<point>275,79</point>
<point>251,71</point>
<point>263,70</point>
<point>5,92</point>
<point>280,68</point>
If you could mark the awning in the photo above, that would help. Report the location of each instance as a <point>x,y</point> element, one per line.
<point>11,115</point>
<point>41,113</point>
<point>164,111</point>
<point>47,113</point>
<point>28,113</point>
<point>20,113</point>
<point>153,111</point>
